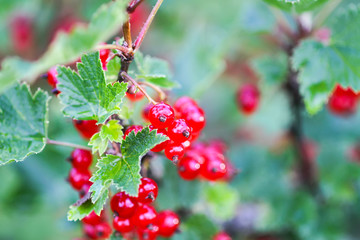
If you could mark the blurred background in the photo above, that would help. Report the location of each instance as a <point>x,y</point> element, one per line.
<point>213,47</point>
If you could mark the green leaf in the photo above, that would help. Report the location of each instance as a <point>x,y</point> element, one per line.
<point>98,144</point>
<point>322,66</point>
<point>124,172</point>
<point>23,123</point>
<point>81,209</point>
<point>86,95</point>
<point>113,68</point>
<point>112,131</point>
<point>116,236</point>
<point>271,69</point>
<point>222,200</point>
<point>297,5</point>
<point>67,48</point>
<point>153,70</point>
<point>198,227</point>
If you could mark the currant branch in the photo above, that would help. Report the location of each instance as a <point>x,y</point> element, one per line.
<point>67,144</point>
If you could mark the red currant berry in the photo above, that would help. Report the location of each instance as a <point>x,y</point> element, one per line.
<point>138,17</point>
<point>103,230</point>
<point>86,128</point>
<point>145,216</point>
<point>148,190</point>
<point>122,225</point>
<point>145,112</point>
<point>149,233</point>
<point>182,104</point>
<point>179,131</point>
<point>174,152</point>
<point>189,168</point>
<point>92,219</point>
<point>195,118</point>
<point>78,178</point>
<point>81,159</point>
<point>161,115</point>
<point>214,167</point>
<point>52,77</point>
<point>90,231</point>
<point>343,101</point>
<point>218,145</point>
<point>186,145</point>
<point>85,189</point>
<point>135,96</point>
<point>168,223</point>
<point>123,205</point>
<point>135,128</point>
<point>161,146</point>
<point>22,33</point>
<point>104,55</point>
<point>248,97</point>
<point>222,236</point>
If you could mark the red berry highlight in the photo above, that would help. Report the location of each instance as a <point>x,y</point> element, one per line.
<point>78,178</point>
<point>122,225</point>
<point>81,159</point>
<point>148,190</point>
<point>179,131</point>
<point>145,216</point>
<point>174,152</point>
<point>161,115</point>
<point>168,223</point>
<point>343,101</point>
<point>189,168</point>
<point>86,128</point>
<point>135,128</point>
<point>123,205</point>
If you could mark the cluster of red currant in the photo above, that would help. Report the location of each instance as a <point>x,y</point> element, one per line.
<point>95,227</point>
<point>136,215</point>
<point>343,101</point>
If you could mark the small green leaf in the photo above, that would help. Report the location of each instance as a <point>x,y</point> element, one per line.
<point>297,5</point>
<point>124,172</point>
<point>86,95</point>
<point>153,70</point>
<point>23,123</point>
<point>80,210</point>
<point>222,200</point>
<point>112,131</point>
<point>113,68</point>
<point>98,144</point>
<point>67,48</point>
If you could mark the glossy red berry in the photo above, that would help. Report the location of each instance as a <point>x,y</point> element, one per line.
<point>78,178</point>
<point>122,225</point>
<point>123,205</point>
<point>135,128</point>
<point>90,231</point>
<point>214,167</point>
<point>248,97</point>
<point>168,223</point>
<point>343,101</point>
<point>174,152</point>
<point>86,128</point>
<point>52,77</point>
<point>92,219</point>
<point>145,112</point>
<point>104,55</point>
<point>179,131</point>
<point>222,236</point>
<point>135,96</point>
<point>161,146</point>
<point>189,167</point>
<point>149,233</point>
<point>81,159</point>
<point>148,190</point>
<point>186,145</point>
<point>195,118</point>
<point>161,115</point>
<point>145,216</point>
<point>182,104</point>
<point>103,230</point>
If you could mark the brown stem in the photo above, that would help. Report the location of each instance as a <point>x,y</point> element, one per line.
<point>160,92</point>
<point>127,77</point>
<point>133,5</point>
<point>146,26</point>
<point>127,34</point>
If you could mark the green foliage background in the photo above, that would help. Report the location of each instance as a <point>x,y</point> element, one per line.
<point>201,39</point>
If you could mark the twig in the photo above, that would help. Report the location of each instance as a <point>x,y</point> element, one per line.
<point>146,26</point>
<point>123,49</point>
<point>133,5</point>
<point>127,34</point>
<point>160,92</point>
<point>325,12</point>
<point>67,144</point>
<point>127,77</point>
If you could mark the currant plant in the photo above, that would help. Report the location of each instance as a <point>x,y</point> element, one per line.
<point>153,166</point>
